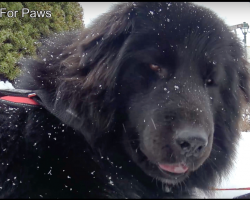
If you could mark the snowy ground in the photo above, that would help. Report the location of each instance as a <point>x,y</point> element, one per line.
<point>239,176</point>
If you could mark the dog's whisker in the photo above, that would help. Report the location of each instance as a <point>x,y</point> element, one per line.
<point>124,128</point>
<point>171,155</point>
<point>153,123</point>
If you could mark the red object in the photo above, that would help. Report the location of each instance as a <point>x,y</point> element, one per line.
<point>24,100</point>
<point>231,188</point>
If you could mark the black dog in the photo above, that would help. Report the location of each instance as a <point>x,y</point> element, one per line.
<point>143,104</point>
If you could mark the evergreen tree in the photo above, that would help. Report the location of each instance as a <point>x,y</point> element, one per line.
<point>20,33</point>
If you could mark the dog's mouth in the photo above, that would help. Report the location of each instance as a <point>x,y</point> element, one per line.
<point>173,173</point>
<point>178,168</point>
<point>170,173</point>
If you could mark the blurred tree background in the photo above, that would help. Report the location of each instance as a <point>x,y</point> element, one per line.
<point>19,36</point>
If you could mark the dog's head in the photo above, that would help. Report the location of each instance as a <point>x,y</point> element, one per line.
<point>174,72</point>
<point>169,75</point>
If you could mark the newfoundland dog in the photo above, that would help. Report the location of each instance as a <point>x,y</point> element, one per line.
<point>145,103</point>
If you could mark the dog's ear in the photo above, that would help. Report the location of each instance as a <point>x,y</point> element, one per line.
<point>90,83</point>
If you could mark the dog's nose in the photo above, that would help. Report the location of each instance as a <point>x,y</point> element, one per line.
<point>191,142</point>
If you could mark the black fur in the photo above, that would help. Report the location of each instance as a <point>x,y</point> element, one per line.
<point>115,96</point>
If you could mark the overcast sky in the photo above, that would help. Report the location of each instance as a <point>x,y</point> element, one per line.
<point>231,12</point>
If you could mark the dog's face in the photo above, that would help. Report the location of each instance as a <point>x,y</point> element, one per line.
<point>176,87</point>
<point>171,110</point>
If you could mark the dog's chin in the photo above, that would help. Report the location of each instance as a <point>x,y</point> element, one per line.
<point>169,181</point>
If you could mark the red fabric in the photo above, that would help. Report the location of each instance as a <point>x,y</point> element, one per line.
<point>231,188</point>
<point>24,100</point>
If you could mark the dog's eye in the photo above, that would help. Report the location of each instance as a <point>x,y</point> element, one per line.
<point>209,82</point>
<point>161,72</point>
<point>155,68</point>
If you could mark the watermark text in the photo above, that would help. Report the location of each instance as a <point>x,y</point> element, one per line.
<point>25,12</point>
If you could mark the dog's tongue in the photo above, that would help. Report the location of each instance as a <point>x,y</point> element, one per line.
<point>176,168</point>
